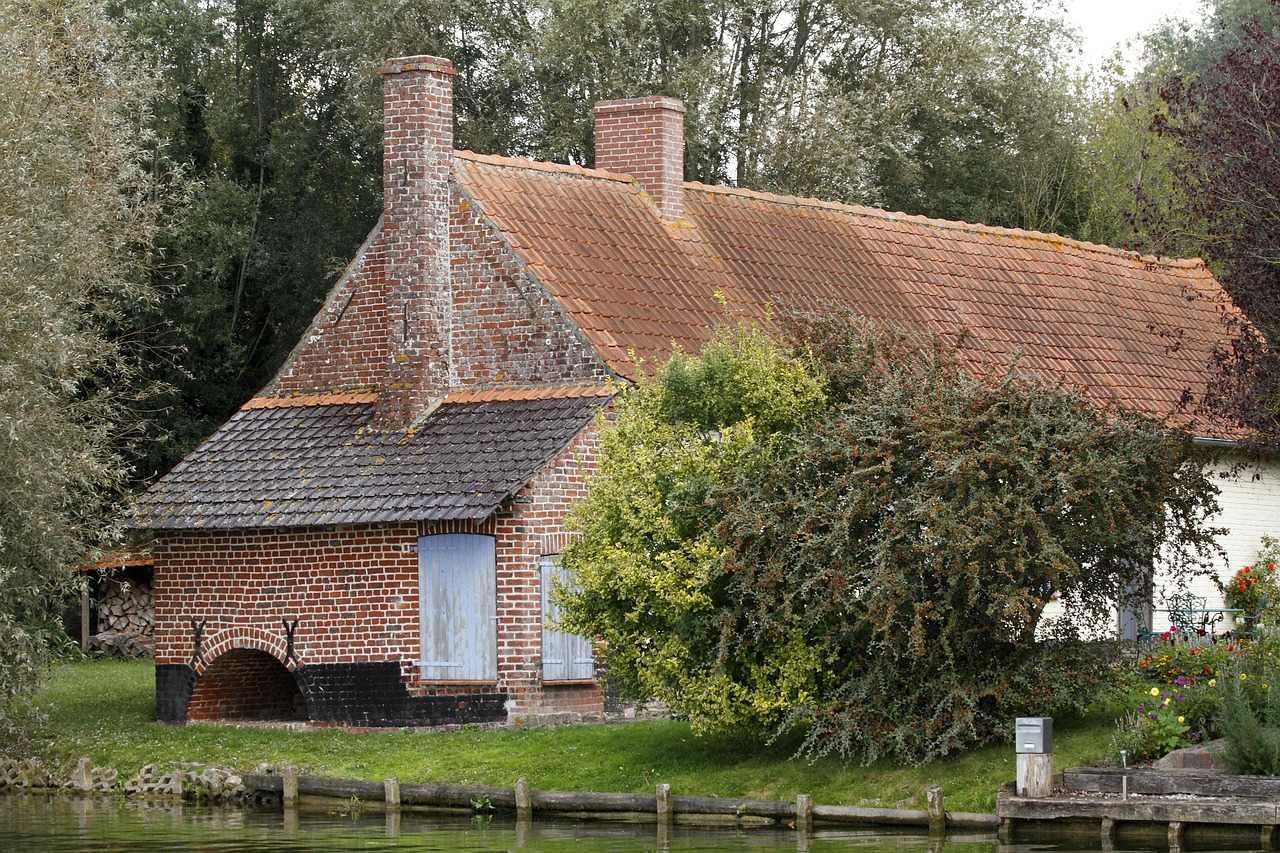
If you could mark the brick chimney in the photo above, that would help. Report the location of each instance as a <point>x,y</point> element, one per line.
<point>417,157</point>
<point>644,138</point>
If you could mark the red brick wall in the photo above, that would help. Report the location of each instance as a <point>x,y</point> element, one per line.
<point>507,328</point>
<point>246,684</point>
<point>644,138</point>
<point>534,528</point>
<point>353,591</point>
<point>354,594</point>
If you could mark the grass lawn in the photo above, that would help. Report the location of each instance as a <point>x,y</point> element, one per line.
<point>105,710</point>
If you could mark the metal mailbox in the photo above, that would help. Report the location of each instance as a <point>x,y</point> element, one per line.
<point>1034,735</point>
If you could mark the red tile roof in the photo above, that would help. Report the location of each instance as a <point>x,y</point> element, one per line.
<point>1133,329</point>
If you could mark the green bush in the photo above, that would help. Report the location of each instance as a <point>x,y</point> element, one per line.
<point>860,538</point>
<point>1250,714</point>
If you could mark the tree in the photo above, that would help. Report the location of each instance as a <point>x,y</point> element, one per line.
<point>77,213</point>
<point>950,108</point>
<point>1224,123</point>
<point>877,571</point>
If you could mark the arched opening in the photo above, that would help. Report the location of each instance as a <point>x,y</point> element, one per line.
<point>246,684</point>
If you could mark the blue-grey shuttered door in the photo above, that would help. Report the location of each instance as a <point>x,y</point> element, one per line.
<point>458,587</point>
<point>565,657</point>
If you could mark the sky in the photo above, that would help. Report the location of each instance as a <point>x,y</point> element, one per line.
<point>1105,23</point>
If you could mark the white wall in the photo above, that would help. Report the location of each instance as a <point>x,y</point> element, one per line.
<point>1250,501</point>
<point>1250,507</point>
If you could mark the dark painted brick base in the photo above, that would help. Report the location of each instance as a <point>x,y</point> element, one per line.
<point>173,691</point>
<point>353,694</point>
<point>372,694</point>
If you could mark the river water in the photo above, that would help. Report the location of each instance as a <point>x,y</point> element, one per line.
<point>57,824</point>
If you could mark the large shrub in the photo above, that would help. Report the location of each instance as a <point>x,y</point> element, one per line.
<point>875,566</point>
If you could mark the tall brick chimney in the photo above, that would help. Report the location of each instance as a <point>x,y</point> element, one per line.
<point>417,105</point>
<point>644,138</point>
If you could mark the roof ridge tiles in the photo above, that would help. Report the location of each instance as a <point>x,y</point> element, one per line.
<point>557,392</point>
<point>351,398</point>
<point>948,224</point>
<point>543,166</point>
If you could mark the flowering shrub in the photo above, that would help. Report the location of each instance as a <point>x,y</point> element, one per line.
<point>1186,660</point>
<point>1158,726</point>
<point>1250,587</point>
<point>1182,686</point>
<point>1254,589</point>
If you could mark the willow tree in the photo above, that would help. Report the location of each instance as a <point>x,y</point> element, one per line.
<point>76,216</point>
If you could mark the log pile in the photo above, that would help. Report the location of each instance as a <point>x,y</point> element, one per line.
<point>125,618</point>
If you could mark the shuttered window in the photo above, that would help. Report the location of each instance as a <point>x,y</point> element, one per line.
<point>458,594</point>
<point>565,657</point>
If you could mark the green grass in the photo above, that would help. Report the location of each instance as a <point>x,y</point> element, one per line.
<point>105,710</point>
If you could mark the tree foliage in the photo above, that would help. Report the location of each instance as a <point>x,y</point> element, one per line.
<point>77,213</point>
<point>878,571</point>
<point>1224,122</point>
<point>649,542</point>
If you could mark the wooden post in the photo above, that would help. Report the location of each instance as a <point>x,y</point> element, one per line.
<point>524,799</point>
<point>84,618</point>
<point>1268,838</point>
<point>391,793</point>
<point>665,817</point>
<point>289,785</point>
<point>804,814</point>
<point>937,811</point>
<point>1035,774</point>
<point>1176,829</point>
<point>392,823</point>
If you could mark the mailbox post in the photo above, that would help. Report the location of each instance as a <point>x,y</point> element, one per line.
<point>1034,746</point>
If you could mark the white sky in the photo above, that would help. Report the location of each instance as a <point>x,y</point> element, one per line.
<point>1106,23</point>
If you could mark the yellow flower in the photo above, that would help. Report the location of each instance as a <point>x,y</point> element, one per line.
<point>1243,676</point>
<point>1165,703</point>
<point>1213,682</point>
<point>1155,691</point>
<point>1182,719</point>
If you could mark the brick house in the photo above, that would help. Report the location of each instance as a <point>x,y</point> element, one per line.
<point>369,541</point>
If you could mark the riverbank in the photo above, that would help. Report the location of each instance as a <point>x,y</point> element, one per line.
<point>105,711</point>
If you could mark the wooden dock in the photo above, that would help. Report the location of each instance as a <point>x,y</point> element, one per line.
<point>1181,807</point>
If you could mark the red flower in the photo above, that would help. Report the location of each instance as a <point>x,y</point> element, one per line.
<point>1245,570</point>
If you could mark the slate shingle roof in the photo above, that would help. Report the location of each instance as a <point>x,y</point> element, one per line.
<point>312,461</point>
<point>1130,329</point>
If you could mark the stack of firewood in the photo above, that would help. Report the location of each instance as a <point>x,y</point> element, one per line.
<point>125,607</point>
<point>125,616</point>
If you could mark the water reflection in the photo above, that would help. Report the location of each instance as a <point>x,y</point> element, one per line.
<point>102,825</point>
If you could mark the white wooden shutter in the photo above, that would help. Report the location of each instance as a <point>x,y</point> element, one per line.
<point>565,657</point>
<point>458,598</point>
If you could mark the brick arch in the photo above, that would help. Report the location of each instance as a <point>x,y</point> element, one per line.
<point>246,638</point>
<point>246,683</point>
